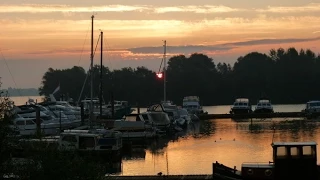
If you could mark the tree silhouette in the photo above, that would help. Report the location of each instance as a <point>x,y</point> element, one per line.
<point>284,75</point>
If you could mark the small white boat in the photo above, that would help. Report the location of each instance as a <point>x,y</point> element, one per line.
<point>28,126</point>
<point>192,104</point>
<point>90,140</point>
<point>134,129</point>
<point>157,119</point>
<point>312,109</point>
<point>179,116</point>
<point>264,106</point>
<point>241,106</point>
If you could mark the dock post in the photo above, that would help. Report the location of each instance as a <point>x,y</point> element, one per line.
<point>38,123</point>
<point>138,108</point>
<point>82,114</point>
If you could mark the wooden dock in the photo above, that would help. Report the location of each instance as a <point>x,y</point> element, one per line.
<point>156,177</point>
<point>254,115</point>
<point>109,122</point>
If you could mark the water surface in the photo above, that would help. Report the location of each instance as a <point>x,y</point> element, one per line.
<point>228,141</point>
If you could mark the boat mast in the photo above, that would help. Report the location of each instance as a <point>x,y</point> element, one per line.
<point>91,73</point>
<point>100,98</point>
<point>164,71</point>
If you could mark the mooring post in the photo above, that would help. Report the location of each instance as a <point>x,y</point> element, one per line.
<point>138,108</point>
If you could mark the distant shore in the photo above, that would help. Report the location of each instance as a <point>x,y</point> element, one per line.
<point>21,92</point>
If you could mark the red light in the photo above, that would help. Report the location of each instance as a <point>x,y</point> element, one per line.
<point>159,75</point>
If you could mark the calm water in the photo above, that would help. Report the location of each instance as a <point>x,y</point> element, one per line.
<point>225,140</point>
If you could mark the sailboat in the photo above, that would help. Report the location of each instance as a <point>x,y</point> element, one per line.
<point>176,114</point>
<point>92,140</point>
<point>95,107</point>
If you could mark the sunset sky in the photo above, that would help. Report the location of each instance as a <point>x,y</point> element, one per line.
<point>38,34</point>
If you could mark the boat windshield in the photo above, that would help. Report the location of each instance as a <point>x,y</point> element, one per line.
<point>241,104</point>
<point>313,104</point>
<point>264,104</point>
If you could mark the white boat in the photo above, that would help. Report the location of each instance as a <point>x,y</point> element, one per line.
<point>62,103</point>
<point>192,104</point>
<point>134,129</point>
<point>155,118</point>
<point>46,116</point>
<point>312,109</point>
<point>264,106</point>
<point>90,140</point>
<point>28,126</point>
<point>241,106</point>
<point>312,106</point>
<point>179,116</point>
<point>74,117</point>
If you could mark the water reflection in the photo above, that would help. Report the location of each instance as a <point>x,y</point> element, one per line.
<point>194,129</point>
<point>225,140</point>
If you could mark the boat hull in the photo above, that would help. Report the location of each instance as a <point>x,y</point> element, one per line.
<point>263,110</point>
<point>240,111</point>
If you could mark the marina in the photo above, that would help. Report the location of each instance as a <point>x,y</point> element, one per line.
<point>160,90</point>
<point>191,152</point>
<point>107,132</point>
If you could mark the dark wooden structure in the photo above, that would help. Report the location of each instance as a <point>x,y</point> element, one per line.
<point>291,160</point>
<point>168,177</point>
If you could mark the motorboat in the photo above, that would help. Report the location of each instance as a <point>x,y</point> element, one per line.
<point>192,105</point>
<point>178,116</point>
<point>28,126</point>
<point>264,106</point>
<point>134,130</point>
<point>312,109</point>
<point>99,141</point>
<point>241,106</point>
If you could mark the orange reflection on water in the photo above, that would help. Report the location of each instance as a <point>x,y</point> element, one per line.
<point>224,140</point>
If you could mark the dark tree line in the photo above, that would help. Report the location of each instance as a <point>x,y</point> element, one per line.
<point>285,76</point>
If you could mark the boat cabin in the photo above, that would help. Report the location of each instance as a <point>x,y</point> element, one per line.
<point>312,106</point>
<point>291,160</point>
<point>191,102</point>
<point>89,140</point>
<point>264,104</point>
<point>296,160</point>
<point>241,105</point>
<point>241,102</point>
